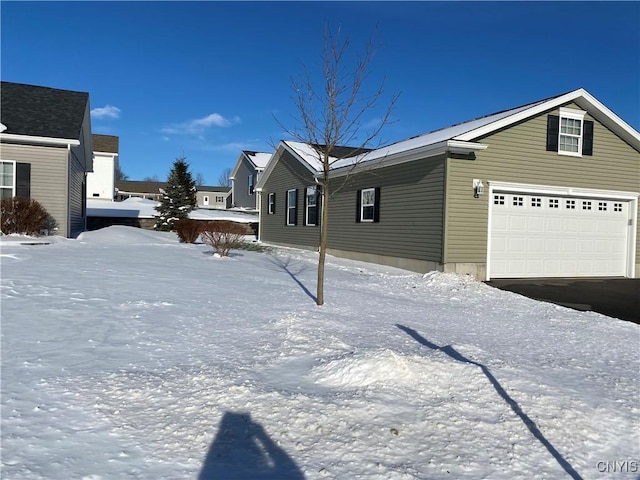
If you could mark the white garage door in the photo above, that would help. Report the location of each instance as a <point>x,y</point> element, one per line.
<point>556,236</point>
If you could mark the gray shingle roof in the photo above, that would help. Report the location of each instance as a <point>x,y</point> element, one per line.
<point>42,111</point>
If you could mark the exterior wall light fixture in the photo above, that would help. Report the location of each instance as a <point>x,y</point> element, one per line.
<point>478,188</point>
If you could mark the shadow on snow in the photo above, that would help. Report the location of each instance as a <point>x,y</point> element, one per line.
<point>283,264</point>
<point>242,450</point>
<point>530,424</point>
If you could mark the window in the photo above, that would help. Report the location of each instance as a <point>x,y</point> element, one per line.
<point>498,199</point>
<point>368,205</point>
<point>517,201</point>
<point>570,205</point>
<point>15,179</point>
<point>536,202</point>
<point>586,205</point>
<point>554,203</point>
<point>7,179</point>
<point>569,133</point>
<point>219,199</point>
<point>251,185</point>
<point>311,206</point>
<point>602,206</point>
<point>292,203</point>
<point>272,204</point>
<point>617,207</point>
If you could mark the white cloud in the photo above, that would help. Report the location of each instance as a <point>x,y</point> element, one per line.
<point>199,125</point>
<point>108,111</point>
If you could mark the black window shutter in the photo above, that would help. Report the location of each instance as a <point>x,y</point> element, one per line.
<point>23,180</point>
<point>286,207</point>
<point>376,206</point>
<point>587,138</point>
<point>553,130</point>
<point>295,210</point>
<point>358,205</point>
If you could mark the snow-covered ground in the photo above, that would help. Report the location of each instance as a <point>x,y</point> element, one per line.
<point>126,354</point>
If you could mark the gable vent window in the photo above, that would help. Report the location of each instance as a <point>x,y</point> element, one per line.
<point>569,133</point>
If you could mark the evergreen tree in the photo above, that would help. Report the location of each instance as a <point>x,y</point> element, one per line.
<point>178,197</point>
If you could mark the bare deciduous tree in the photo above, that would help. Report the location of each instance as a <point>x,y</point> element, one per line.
<point>331,113</point>
<point>199,179</point>
<point>224,180</point>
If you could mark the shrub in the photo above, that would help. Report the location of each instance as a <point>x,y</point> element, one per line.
<point>188,230</point>
<point>24,216</point>
<point>223,235</point>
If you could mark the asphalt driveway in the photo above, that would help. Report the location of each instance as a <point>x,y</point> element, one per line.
<point>615,297</point>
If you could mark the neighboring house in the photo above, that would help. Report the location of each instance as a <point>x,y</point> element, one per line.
<point>46,150</point>
<point>206,196</point>
<point>101,183</point>
<point>213,197</point>
<point>548,189</point>
<point>244,178</point>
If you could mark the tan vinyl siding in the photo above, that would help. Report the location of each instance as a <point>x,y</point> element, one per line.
<point>286,175</point>
<point>48,177</point>
<point>518,154</point>
<point>411,212</point>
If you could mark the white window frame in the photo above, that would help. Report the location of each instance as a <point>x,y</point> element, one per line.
<point>363,205</point>
<point>251,185</point>
<point>271,207</point>
<point>291,207</point>
<point>307,220</point>
<point>571,114</point>
<point>219,198</point>
<point>13,179</point>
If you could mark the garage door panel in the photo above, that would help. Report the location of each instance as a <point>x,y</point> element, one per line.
<point>545,236</point>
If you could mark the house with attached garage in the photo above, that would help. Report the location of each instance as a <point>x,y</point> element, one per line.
<point>547,189</point>
<point>46,150</point>
<point>244,177</point>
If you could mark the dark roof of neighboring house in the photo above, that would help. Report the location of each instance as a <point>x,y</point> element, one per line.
<point>205,188</point>
<point>105,143</point>
<point>42,111</point>
<point>139,186</point>
<point>153,187</point>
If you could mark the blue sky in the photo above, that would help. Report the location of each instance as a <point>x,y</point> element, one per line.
<point>205,79</point>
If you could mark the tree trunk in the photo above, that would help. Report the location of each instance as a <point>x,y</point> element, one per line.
<point>323,242</point>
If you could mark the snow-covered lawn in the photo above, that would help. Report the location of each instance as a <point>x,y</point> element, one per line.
<point>126,354</point>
